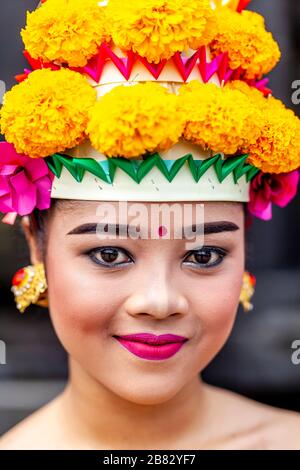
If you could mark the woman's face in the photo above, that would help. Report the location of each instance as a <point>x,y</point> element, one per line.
<point>101,288</point>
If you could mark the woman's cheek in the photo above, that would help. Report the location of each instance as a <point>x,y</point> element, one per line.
<point>216,311</point>
<point>80,304</point>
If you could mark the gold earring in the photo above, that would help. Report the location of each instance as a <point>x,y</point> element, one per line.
<point>247,291</point>
<point>29,286</point>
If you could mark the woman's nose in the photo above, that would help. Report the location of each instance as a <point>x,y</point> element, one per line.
<point>158,296</point>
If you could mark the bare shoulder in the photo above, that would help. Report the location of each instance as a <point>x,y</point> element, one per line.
<point>254,425</point>
<point>40,430</point>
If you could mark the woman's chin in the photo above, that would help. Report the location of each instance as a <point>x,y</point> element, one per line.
<point>142,396</point>
<point>141,389</point>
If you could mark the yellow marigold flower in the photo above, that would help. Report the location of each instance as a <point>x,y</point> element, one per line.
<point>131,120</point>
<point>65,31</point>
<point>156,29</point>
<point>221,119</point>
<point>277,148</point>
<point>244,37</point>
<point>48,112</point>
<point>252,92</point>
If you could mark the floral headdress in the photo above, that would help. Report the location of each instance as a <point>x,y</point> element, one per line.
<point>151,100</point>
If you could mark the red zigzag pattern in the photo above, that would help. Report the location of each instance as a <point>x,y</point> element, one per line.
<point>219,65</point>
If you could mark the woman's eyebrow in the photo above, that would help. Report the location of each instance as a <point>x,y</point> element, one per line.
<point>209,227</point>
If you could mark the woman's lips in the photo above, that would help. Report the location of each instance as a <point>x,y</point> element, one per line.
<point>152,347</point>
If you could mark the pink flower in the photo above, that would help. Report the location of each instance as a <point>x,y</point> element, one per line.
<point>25,183</point>
<point>267,188</point>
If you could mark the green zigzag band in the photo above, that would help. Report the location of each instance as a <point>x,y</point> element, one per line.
<point>138,169</point>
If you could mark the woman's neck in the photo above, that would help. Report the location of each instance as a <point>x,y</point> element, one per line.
<point>98,416</point>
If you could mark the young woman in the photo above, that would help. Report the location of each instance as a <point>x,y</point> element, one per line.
<point>115,399</point>
<point>142,314</point>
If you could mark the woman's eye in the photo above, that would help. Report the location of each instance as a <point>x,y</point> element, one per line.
<point>110,256</point>
<point>206,257</point>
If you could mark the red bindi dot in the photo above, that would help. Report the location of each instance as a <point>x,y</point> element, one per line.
<point>162,231</point>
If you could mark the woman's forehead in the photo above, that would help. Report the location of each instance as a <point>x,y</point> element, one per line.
<point>82,207</point>
<point>146,220</point>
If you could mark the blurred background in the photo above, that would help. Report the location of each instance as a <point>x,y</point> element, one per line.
<point>257,359</point>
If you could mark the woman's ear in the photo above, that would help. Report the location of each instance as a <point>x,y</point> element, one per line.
<point>32,241</point>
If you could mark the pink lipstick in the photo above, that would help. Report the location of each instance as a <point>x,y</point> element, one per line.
<point>152,347</point>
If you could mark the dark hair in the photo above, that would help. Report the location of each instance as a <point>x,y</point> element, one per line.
<point>38,221</point>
